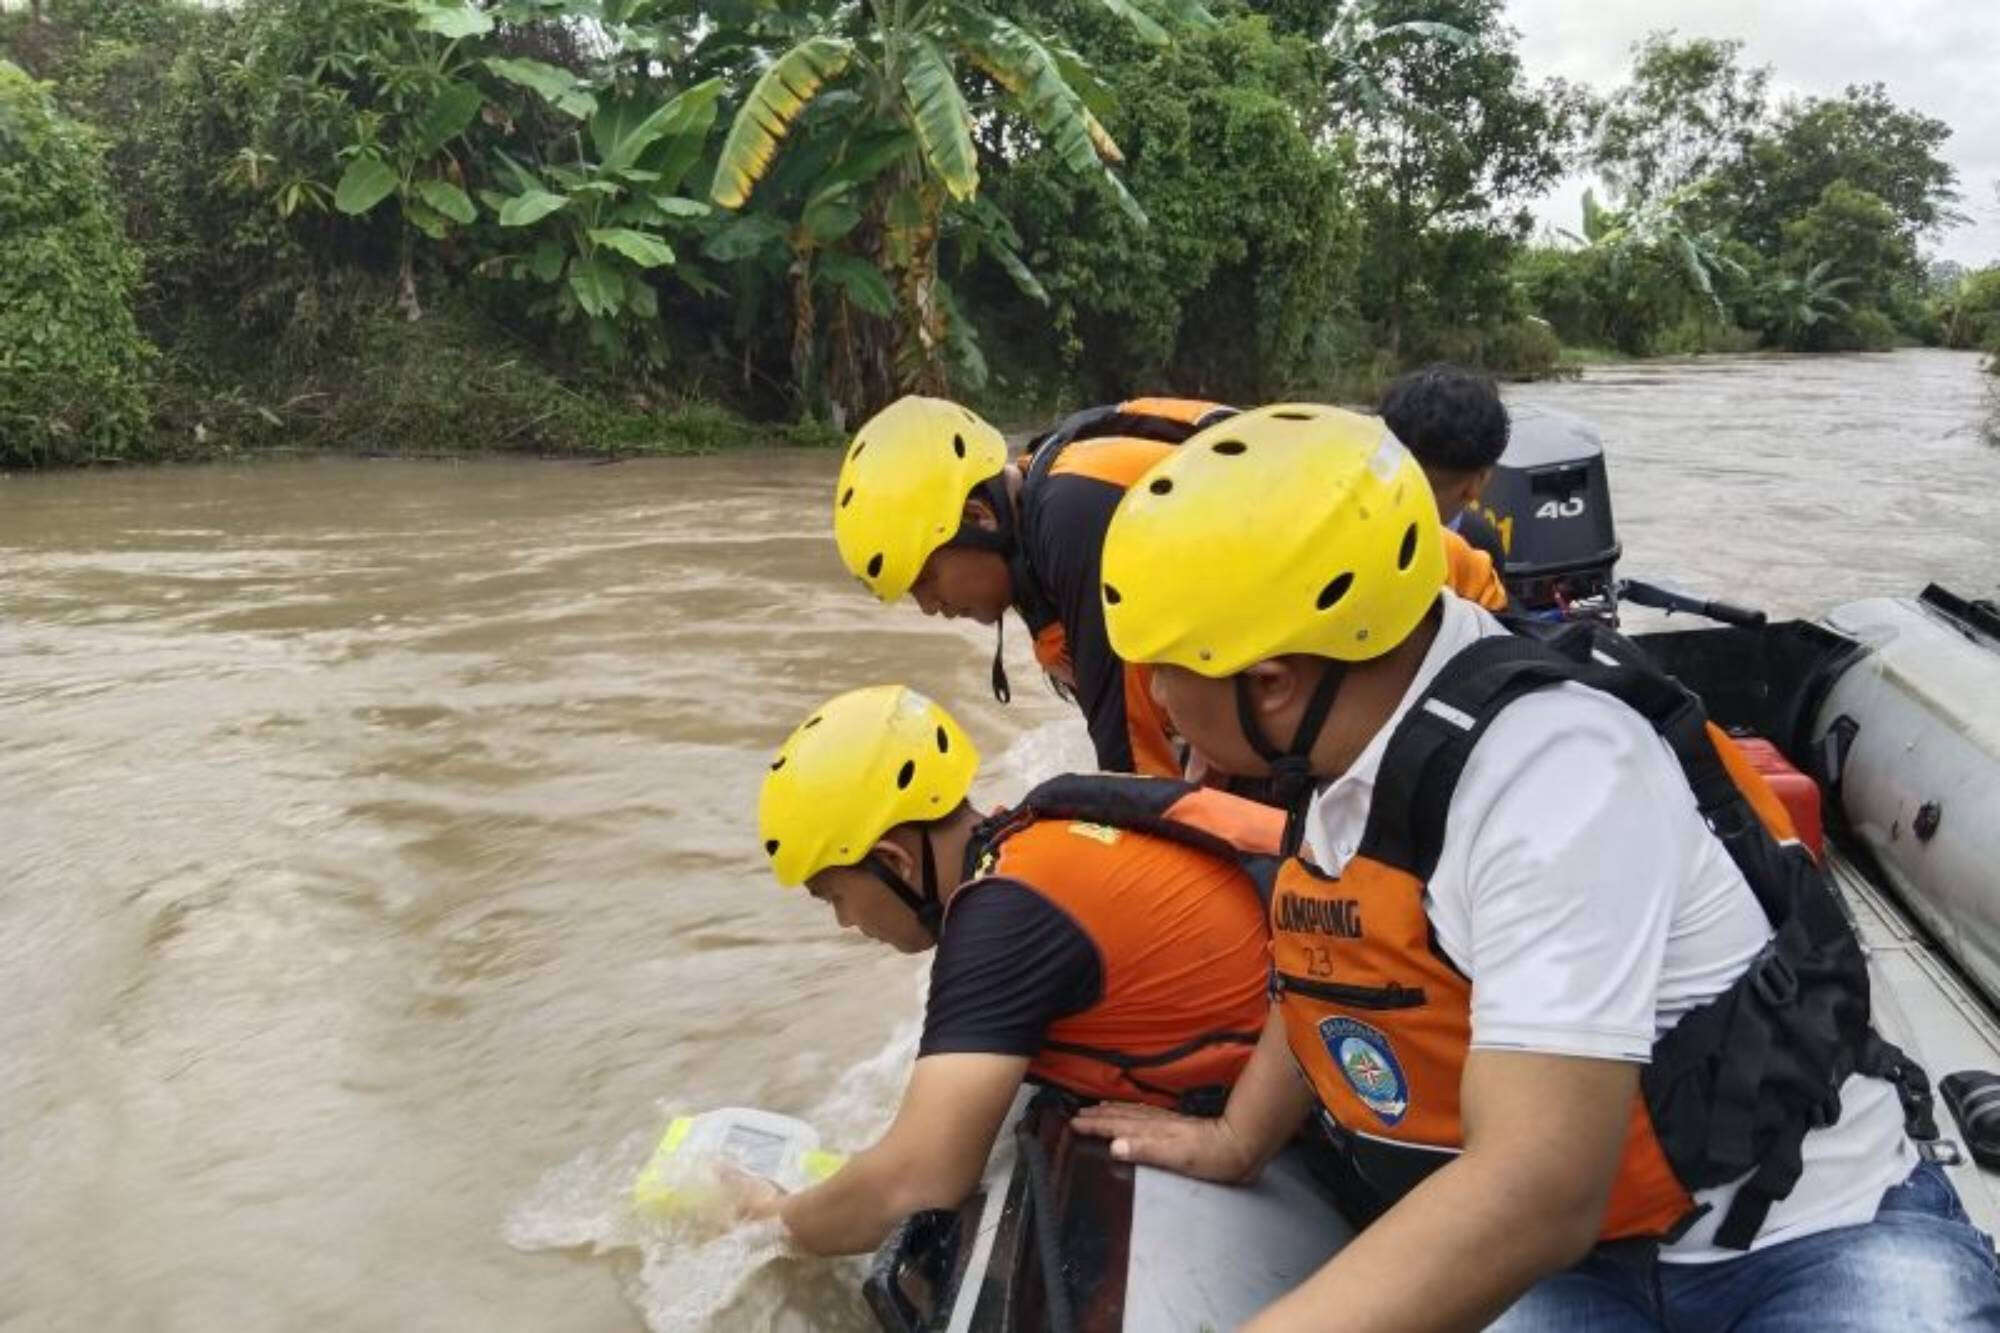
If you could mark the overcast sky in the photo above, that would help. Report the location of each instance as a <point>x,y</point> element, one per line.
<point>1941,57</point>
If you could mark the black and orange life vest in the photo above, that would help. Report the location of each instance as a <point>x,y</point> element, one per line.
<point>1117,461</point>
<point>1379,1018</point>
<point>1116,444</point>
<point>1180,1009</point>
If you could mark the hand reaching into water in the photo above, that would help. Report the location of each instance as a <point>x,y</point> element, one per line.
<point>748,1197</point>
<point>1197,1146</point>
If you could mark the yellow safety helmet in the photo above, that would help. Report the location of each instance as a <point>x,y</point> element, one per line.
<point>859,766</point>
<point>902,490</point>
<point>1294,528</point>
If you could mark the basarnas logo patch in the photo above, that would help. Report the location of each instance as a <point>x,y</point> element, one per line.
<point>1369,1064</point>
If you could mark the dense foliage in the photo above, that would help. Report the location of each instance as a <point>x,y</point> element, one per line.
<point>647,213</point>
<point>71,358</point>
<point>1734,222</point>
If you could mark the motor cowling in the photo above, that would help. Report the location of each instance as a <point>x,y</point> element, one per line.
<point>1551,501</point>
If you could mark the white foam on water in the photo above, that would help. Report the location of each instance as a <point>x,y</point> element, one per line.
<point>701,1273</point>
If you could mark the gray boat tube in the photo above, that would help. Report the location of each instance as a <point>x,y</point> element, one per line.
<point>1909,738</point>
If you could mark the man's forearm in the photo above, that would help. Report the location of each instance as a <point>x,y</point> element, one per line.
<point>1270,1100</point>
<point>854,1209</point>
<point>1460,1247</point>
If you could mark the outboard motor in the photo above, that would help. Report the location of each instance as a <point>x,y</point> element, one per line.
<point>1550,499</point>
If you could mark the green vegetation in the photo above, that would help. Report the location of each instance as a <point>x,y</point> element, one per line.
<point>71,359</point>
<point>665,225</point>
<point>1737,224</point>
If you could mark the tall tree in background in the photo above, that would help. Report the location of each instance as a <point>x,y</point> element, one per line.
<point>1689,110</point>
<point>1860,137</point>
<point>1448,133</point>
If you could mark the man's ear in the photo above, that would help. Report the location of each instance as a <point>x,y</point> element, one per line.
<point>980,515</point>
<point>898,861</point>
<point>1276,685</point>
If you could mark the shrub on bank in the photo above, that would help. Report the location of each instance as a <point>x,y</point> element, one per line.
<point>72,362</point>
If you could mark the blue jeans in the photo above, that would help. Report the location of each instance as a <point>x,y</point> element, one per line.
<point>1919,1267</point>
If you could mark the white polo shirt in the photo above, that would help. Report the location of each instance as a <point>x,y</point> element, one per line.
<point>1582,893</point>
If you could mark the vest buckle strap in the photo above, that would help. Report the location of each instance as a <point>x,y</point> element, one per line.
<point>1775,980</point>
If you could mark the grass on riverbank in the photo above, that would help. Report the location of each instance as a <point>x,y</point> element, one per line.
<point>451,384</point>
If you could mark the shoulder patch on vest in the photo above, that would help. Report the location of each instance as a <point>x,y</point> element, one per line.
<point>1103,833</point>
<point>1368,1062</point>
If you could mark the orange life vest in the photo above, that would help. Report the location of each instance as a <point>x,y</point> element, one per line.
<point>1469,572</point>
<point>1380,1020</point>
<point>1154,872</point>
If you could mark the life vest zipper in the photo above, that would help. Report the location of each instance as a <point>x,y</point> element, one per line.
<point>1391,996</point>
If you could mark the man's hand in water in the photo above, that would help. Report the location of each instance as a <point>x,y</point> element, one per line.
<point>748,1197</point>
<point>1197,1146</point>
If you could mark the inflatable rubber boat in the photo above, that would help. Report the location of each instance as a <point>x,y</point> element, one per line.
<point>1882,724</point>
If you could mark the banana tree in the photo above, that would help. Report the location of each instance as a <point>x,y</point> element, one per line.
<point>1663,229</point>
<point>1795,303</point>
<point>424,100</point>
<point>898,65</point>
<point>600,221</point>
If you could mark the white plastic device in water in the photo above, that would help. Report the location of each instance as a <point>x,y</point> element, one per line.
<point>776,1147</point>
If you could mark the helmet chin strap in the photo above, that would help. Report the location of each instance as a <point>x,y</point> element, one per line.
<point>998,539</point>
<point>1001,541</point>
<point>1291,769</point>
<point>926,904</point>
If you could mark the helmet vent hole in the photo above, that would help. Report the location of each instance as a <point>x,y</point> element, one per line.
<point>848,498</point>
<point>1291,416</point>
<point>958,445</point>
<point>1230,448</point>
<point>855,453</point>
<point>777,763</point>
<point>1161,485</point>
<point>906,775</point>
<point>1334,591</point>
<point>944,742</point>
<point>770,846</point>
<point>812,721</point>
<point>1409,551</point>
<point>875,565</point>
<point>1111,595</point>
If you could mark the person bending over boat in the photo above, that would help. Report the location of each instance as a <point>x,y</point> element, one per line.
<point>1454,422</point>
<point>1102,960</point>
<point>928,504</point>
<point>1575,1010</point>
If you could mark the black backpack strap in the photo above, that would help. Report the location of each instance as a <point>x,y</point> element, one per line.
<point>1740,1081</point>
<point>1429,748</point>
<point>1031,598</point>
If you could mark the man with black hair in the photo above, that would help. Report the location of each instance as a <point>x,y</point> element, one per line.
<point>1452,419</point>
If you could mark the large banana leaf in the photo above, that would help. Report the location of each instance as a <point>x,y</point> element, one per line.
<point>642,248</point>
<point>445,198</point>
<point>450,111</point>
<point>941,119</point>
<point>1019,62</point>
<point>366,183</point>
<point>622,131</point>
<point>767,115</point>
